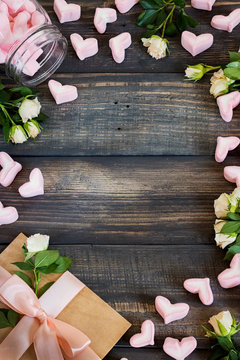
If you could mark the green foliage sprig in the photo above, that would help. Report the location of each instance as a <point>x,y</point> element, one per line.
<point>10,119</point>
<point>167,16</point>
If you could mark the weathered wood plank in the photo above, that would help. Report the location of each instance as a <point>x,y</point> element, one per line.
<point>130,277</point>
<point>138,200</point>
<point>149,354</point>
<point>137,59</point>
<point>124,114</point>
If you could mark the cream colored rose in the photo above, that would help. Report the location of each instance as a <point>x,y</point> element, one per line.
<point>32,128</point>
<point>221,206</point>
<point>225,318</point>
<point>219,83</point>
<point>29,109</point>
<point>17,134</point>
<point>234,197</point>
<point>192,73</point>
<point>37,243</point>
<point>157,47</point>
<point>222,240</point>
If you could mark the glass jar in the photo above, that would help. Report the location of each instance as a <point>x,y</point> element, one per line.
<point>35,54</point>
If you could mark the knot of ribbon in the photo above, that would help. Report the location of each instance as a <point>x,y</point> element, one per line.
<point>53,339</point>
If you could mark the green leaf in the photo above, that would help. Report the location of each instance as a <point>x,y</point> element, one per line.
<point>24,277</point>
<point>233,216</point>
<point>23,266</point>
<point>232,73</point>
<point>232,250</point>
<point>225,343</point>
<point>209,332</point>
<point>180,3</point>
<point>149,4</point>
<point>171,29</point>
<point>13,317</point>
<point>234,64</point>
<point>1,85</point>
<point>182,22</point>
<point>23,91</point>
<point>217,353</point>
<point>6,130</point>
<point>192,22</point>
<point>46,258</point>
<point>147,17</point>
<point>4,323</point>
<point>41,117</point>
<point>4,96</point>
<point>63,264</point>
<point>234,56</point>
<point>231,227</point>
<point>161,17</point>
<point>233,355</point>
<point>45,288</point>
<point>48,269</point>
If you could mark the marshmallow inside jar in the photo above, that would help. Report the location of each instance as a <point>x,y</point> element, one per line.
<point>31,47</point>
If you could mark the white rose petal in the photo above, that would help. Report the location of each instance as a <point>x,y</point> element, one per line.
<point>17,134</point>
<point>191,72</point>
<point>37,243</point>
<point>222,240</point>
<point>157,47</point>
<point>225,318</point>
<point>221,206</point>
<point>29,109</point>
<point>32,128</point>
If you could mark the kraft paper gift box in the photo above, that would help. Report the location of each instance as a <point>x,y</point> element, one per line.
<point>87,312</point>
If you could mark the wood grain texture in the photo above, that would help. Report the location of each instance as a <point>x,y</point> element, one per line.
<point>124,114</point>
<point>120,200</point>
<point>137,60</point>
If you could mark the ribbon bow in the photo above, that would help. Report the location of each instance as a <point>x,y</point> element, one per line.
<point>53,339</point>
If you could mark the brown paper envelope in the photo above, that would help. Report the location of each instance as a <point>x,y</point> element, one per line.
<point>87,311</point>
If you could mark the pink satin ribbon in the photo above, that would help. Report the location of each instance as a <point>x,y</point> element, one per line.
<point>53,339</point>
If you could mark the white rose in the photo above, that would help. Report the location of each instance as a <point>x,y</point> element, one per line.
<point>17,134</point>
<point>234,197</point>
<point>32,128</point>
<point>192,73</point>
<point>37,243</point>
<point>157,47</point>
<point>29,109</point>
<point>221,206</point>
<point>222,240</point>
<point>225,318</point>
<point>220,83</point>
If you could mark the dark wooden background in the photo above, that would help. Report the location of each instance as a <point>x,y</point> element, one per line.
<point>131,178</point>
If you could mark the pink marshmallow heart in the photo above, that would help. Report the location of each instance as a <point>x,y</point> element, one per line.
<point>123,359</point>
<point>66,12</point>
<point>232,174</point>
<point>224,145</point>
<point>29,59</point>
<point>227,103</point>
<point>179,350</point>
<point>14,5</point>
<point>35,186</point>
<point>230,277</point>
<point>37,18</point>
<point>102,17</point>
<point>20,26</point>
<point>31,67</point>
<point>196,44</point>
<point>227,23</point>
<point>84,48</point>
<point>4,8</point>
<point>10,169</point>
<point>201,287</point>
<point>124,6</point>
<point>170,312</point>
<point>118,45</point>
<point>146,337</point>
<point>5,28</point>
<point>29,6</point>
<point>62,94</point>
<point>8,215</point>
<point>203,4</point>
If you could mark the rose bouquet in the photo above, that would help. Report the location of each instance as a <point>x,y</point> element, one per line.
<point>20,114</point>
<point>166,18</point>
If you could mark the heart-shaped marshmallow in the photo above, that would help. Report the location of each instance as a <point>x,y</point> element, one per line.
<point>196,44</point>
<point>124,6</point>
<point>227,23</point>
<point>102,17</point>
<point>8,215</point>
<point>37,18</point>
<point>35,186</point>
<point>62,93</point>
<point>170,312</point>
<point>10,169</point>
<point>179,350</point>
<point>232,174</point>
<point>146,337</point>
<point>5,29</point>
<point>230,277</point>
<point>84,48</point>
<point>224,145</point>
<point>13,5</point>
<point>118,45</point>
<point>201,287</point>
<point>203,4</point>
<point>20,26</point>
<point>66,12</point>
<point>227,103</point>
<point>123,359</point>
